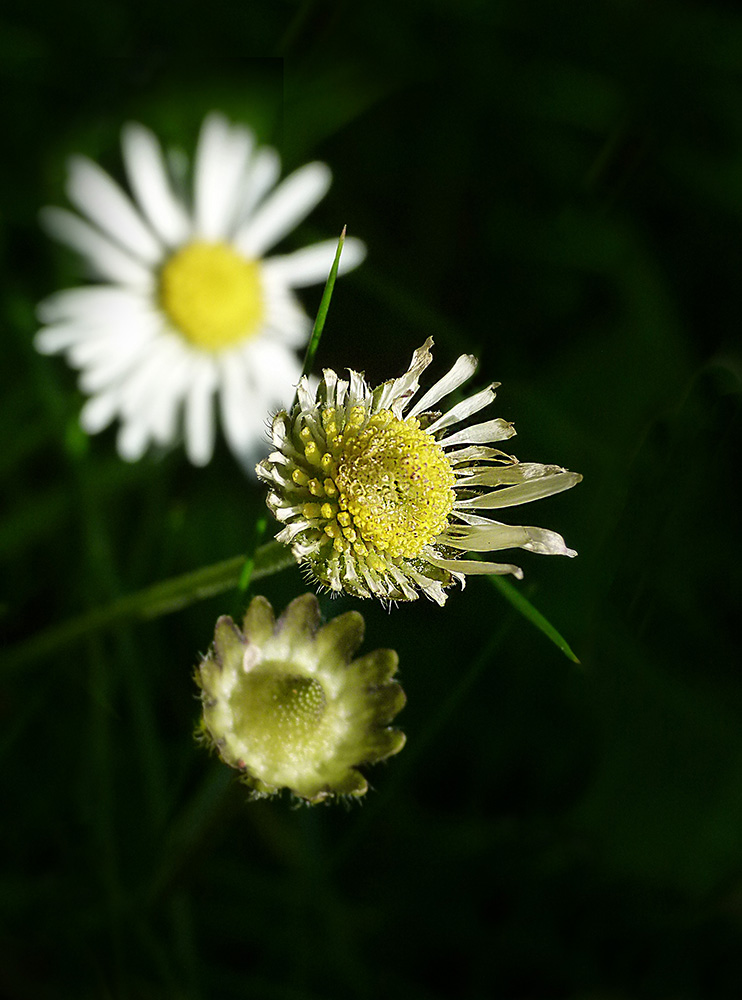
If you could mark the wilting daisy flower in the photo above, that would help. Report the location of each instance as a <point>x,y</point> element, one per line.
<point>188,306</point>
<point>285,703</point>
<point>381,500</point>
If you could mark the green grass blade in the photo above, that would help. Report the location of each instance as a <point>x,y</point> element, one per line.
<point>533,615</point>
<point>319,323</point>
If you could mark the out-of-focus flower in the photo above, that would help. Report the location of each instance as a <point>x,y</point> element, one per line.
<point>379,500</point>
<point>188,306</point>
<point>285,703</point>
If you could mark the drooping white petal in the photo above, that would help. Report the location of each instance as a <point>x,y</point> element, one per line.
<point>221,160</point>
<point>463,369</point>
<point>472,568</point>
<point>358,391</point>
<point>148,179</point>
<point>489,536</point>
<point>432,589</point>
<point>305,396</point>
<point>312,264</point>
<point>491,430</point>
<point>108,260</point>
<point>199,415</point>
<point>481,538</point>
<point>466,408</point>
<point>524,492</point>
<point>506,475</point>
<point>475,452</point>
<point>396,393</point>
<point>547,543</point>
<point>94,193</point>
<point>282,210</point>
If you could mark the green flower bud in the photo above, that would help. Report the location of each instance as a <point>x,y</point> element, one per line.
<point>285,703</point>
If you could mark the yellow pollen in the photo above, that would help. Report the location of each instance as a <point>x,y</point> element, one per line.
<point>212,295</point>
<point>395,482</point>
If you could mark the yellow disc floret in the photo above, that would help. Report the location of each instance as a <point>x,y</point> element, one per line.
<point>393,481</point>
<point>212,295</point>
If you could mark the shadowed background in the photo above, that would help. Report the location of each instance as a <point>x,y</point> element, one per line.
<point>558,190</point>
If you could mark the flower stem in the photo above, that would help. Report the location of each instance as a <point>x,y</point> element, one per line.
<point>152,602</point>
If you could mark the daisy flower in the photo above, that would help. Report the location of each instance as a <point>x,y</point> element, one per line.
<point>381,501</point>
<point>285,703</point>
<point>188,307</point>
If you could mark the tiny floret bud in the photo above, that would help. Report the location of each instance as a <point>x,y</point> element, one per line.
<point>285,703</point>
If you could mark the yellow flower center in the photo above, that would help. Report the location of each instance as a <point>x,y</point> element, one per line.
<point>213,296</point>
<point>282,713</point>
<point>388,484</point>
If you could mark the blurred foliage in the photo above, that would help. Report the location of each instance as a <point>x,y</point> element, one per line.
<point>558,189</point>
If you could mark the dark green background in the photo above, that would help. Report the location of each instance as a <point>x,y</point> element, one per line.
<point>557,188</point>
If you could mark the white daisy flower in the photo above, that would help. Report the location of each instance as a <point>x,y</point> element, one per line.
<point>379,501</point>
<point>188,307</point>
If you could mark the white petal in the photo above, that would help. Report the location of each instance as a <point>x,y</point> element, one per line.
<point>471,568</point>
<point>99,411</point>
<point>466,408</point>
<point>505,475</point>
<point>396,393</point>
<point>525,492</point>
<point>312,264</point>
<point>463,368</point>
<point>478,538</point>
<point>490,538</point>
<point>146,380</point>
<point>59,337</point>
<point>478,451</point>
<point>275,370</point>
<point>305,396</point>
<point>108,260</point>
<point>111,358</point>
<point>148,178</point>
<point>547,543</point>
<point>93,304</point>
<point>262,173</point>
<point>242,416</point>
<point>132,440</point>
<point>166,406</point>
<point>199,415</point>
<point>282,210</point>
<point>492,430</point>
<point>221,161</point>
<point>284,319</point>
<point>94,193</point>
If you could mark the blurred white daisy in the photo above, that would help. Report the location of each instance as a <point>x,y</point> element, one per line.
<point>188,307</point>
